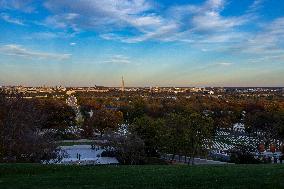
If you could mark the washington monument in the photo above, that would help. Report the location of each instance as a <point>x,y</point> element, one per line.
<point>122,84</point>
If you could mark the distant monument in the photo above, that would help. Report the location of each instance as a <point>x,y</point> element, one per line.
<point>122,84</point>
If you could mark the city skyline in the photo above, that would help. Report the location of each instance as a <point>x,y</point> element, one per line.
<point>149,42</point>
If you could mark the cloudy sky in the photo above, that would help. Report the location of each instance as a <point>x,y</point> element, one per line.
<point>149,42</point>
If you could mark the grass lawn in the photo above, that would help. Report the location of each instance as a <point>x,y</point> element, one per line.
<point>226,176</point>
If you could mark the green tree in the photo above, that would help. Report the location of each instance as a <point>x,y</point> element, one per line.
<point>151,132</point>
<point>136,108</point>
<point>189,134</point>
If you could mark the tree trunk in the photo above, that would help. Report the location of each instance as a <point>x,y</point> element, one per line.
<point>173,157</point>
<point>192,161</point>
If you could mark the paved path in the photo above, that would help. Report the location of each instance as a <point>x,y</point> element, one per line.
<point>197,161</point>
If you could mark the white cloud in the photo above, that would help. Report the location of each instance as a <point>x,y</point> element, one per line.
<point>212,21</point>
<point>163,33</point>
<point>72,44</point>
<point>255,6</point>
<point>264,46</point>
<point>193,23</point>
<point>268,58</point>
<point>224,64</point>
<point>21,5</point>
<point>9,19</point>
<point>43,35</point>
<point>88,14</point>
<point>18,50</point>
<point>267,42</point>
<point>49,35</point>
<point>118,59</point>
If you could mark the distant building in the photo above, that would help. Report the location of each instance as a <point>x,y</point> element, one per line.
<point>70,92</point>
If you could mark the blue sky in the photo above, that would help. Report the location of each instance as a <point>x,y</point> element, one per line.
<point>149,42</point>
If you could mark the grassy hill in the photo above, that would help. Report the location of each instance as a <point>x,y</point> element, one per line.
<point>52,176</point>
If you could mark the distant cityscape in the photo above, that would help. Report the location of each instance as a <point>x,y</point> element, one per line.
<point>61,91</point>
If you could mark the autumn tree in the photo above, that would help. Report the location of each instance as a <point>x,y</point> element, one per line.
<point>22,139</point>
<point>102,119</point>
<point>58,116</point>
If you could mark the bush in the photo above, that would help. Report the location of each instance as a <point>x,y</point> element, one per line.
<point>243,155</point>
<point>108,154</point>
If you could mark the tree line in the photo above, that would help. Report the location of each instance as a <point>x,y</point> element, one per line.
<point>137,129</point>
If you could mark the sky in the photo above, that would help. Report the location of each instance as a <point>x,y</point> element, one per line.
<point>148,42</point>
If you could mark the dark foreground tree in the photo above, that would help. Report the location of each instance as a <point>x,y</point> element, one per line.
<point>242,154</point>
<point>60,115</point>
<point>267,125</point>
<point>22,139</point>
<point>128,149</point>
